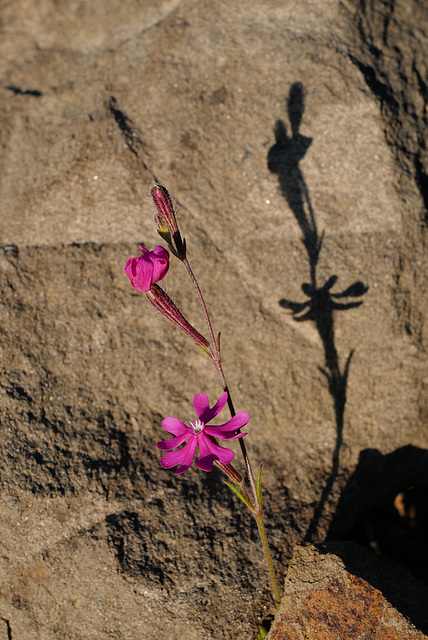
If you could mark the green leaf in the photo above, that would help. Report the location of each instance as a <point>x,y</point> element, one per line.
<point>266,625</point>
<point>262,633</point>
<point>240,495</point>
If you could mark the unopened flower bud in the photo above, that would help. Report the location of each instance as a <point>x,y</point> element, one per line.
<point>166,221</point>
<point>164,205</point>
<point>165,305</point>
<point>148,268</point>
<point>230,471</point>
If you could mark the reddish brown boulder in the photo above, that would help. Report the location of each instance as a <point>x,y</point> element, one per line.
<point>325,601</point>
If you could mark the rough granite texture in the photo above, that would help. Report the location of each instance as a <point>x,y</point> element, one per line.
<point>326,597</point>
<point>293,136</point>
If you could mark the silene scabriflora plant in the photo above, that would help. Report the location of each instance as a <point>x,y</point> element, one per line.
<point>144,272</point>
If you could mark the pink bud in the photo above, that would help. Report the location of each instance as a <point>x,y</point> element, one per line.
<point>166,221</point>
<point>148,268</point>
<point>163,202</point>
<point>165,305</point>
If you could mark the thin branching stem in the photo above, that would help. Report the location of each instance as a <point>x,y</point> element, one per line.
<point>250,473</point>
<point>265,544</point>
<point>214,347</point>
<point>217,363</point>
<point>256,509</point>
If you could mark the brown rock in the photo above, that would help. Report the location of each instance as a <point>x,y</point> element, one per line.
<point>324,601</point>
<point>263,120</point>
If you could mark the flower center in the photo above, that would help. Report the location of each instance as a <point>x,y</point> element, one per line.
<point>197,426</point>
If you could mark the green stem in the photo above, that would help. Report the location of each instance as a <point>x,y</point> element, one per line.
<point>214,347</point>
<point>250,473</point>
<point>217,363</point>
<point>262,532</point>
<point>256,509</point>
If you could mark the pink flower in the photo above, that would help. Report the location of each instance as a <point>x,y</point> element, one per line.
<point>150,267</point>
<point>199,434</point>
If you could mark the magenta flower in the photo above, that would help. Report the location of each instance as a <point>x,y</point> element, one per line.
<point>198,434</point>
<point>150,267</point>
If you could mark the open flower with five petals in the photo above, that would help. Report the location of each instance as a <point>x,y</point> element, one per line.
<point>199,434</point>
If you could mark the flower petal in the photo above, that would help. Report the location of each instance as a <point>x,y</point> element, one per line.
<point>131,272</point>
<point>202,408</point>
<point>175,426</point>
<point>144,272</point>
<point>225,455</point>
<point>139,271</point>
<point>200,403</point>
<point>189,453</point>
<point>167,445</point>
<point>171,459</point>
<point>224,435</point>
<point>183,457</point>
<point>238,421</point>
<point>160,261</point>
<point>147,268</point>
<point>210,451</point>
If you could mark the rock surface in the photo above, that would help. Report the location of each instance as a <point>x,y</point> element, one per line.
<point>293,137</point>
<point>325,601</point>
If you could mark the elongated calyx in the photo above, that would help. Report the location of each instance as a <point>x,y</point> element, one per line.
<point>166,221</point>
<point>163,303</point>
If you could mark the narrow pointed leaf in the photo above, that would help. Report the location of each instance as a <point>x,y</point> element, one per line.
<point>240,495</point>
<point>259,485</point>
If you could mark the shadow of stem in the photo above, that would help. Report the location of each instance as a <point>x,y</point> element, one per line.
<point>283,159</point>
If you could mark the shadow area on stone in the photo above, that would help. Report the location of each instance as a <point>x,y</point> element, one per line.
<point>389,50</point>
<point>384,507</point>
<point>321,304</point>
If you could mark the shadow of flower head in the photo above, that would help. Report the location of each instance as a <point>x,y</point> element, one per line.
<point>322,300</point>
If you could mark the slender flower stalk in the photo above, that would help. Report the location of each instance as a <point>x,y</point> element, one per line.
<point>215,347</point>
<point>248,467</point>
<point>266,549</point>
<point>216,358</point>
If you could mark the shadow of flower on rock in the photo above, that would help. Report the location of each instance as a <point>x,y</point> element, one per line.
<point>283,159</point>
